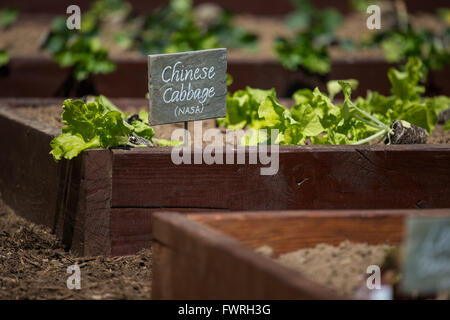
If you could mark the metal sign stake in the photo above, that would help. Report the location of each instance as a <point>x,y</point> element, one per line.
<point>186,134</point>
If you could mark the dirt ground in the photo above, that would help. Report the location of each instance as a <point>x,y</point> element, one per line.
<point>33,265</point>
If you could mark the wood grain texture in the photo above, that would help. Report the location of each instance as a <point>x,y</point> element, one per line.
<point>216,250</point>
<point>38,77</point>
<point>29,178</point>
<point>33,184</point>
<point>32,77</point>
<point>328,177</point>
<point>131,228</point>
<point>192,261</point>
<point>290,231</point>
<point>95,202</point>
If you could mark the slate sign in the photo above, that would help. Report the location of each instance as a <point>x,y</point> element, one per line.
<point>427,263</point>
<point>187,86</point>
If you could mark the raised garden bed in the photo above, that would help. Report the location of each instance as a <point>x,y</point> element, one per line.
<point>32,72</point>
<point>102,201</point>
<point>41,77</point>
<point>218,251</point>
<point>249,6</point>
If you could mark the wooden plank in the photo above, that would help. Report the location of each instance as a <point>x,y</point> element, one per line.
<point>32,183</point>
<point>40,76</point>
<point>192,261</point>
<point>327,177</point>
<point>216,250</point>
<point>290,231</point>
<point>32,77</point>
<point>29,178</point>
<point>95,202</point>
<point>131,228</point>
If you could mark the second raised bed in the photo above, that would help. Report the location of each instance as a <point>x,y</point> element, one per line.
<point>214,256</point>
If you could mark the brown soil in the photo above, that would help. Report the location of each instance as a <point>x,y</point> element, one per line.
<point>25,36</point>
<point>33,265</point>
<point>439,136</point>
<point>51,115</point>
<point>341,268</point>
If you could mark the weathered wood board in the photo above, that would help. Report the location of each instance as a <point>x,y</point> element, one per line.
<point>187,86</point>
<point>199,256</point>
<point>309,177</point>
<point>40,77</point>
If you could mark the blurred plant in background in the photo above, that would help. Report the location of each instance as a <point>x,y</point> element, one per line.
<point>81,50</point>
<point>400,40</point>
<point>175,27</point>
<point>314,32</point>
<point>7,17</point>
<point>316,118</point>
<point>178,27</point>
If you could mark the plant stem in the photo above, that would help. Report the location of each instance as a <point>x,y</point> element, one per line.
<point>368,122</point>
<point>372,137</point>
<point>367,115</point>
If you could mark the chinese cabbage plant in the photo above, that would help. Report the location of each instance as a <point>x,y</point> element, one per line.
<point>317,119</point>
<point>100,124</point>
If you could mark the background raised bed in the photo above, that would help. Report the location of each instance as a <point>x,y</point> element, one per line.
<point>217,250</point>
<point>271,8</point>
<point>41,77</point>
<point>33,74</point>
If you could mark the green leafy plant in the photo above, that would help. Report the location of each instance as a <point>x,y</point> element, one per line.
<point>80,50</point>
<point>313,119</point>
<point>447,125</point>
<point>100,124</point>
<point>104,10</point>
<point>242,109</point>
<point>317,119</point>
<point>362,5</point>
<point>7,17</point>
<point>173,28</point>
<point>4,57</point>
<point>402,41</point>
<point>315,31</point>
<point>85,56</point>
<point>406,101</point>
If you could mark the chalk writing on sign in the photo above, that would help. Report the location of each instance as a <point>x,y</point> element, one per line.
<point>187,86</point>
